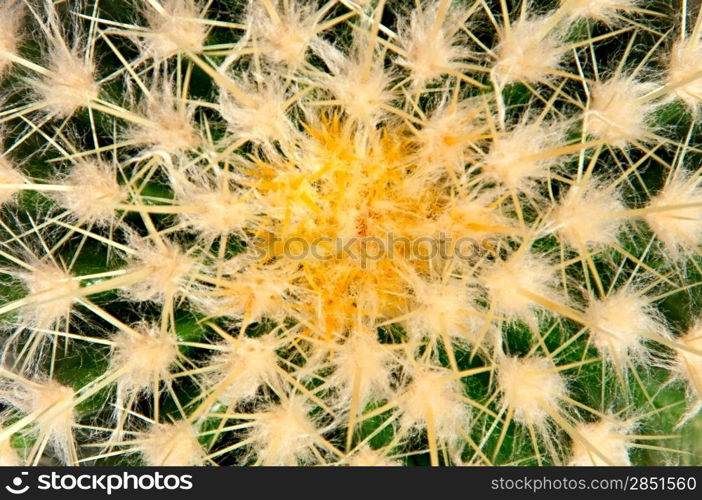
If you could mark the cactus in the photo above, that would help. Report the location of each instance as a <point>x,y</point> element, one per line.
<point>276,232</point>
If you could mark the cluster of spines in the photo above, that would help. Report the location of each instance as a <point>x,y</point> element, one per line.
<point>329,122</point>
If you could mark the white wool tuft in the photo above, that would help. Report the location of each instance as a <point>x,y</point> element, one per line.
<point>285,434</point>
<point>531,387</point>
<point>175,27</point>
<point>70,83</point>
<point>51,405</point>
<point>247,365</point>
<point>171,445</point>
<point>444,307</point>
<point>169,127</point>
<point>685,72</point>
<point>10,24</point>
<point>53,402</point>
<point>512,283</point>
<point>617,115</point>
<point>368,457</point>
<point>361,94</point>
<point>262,118</point>
<point>472,222</point>
<point>215,212</point>
<point>430,49</point>
<point>363,363</point>
<point>620,323</point>
<point>677,227</point>
<point>94,192</point>
<point>9,176</point>
<point>285,39</point>
<point>585,216</point>
<point>608,437</point>
<point>520,157</point>
<point>252,292</point>
<point>166,267</point>
<point>605,11</point>
<point>444,142</point>
<point>53,292</point>
<point>528,51</point>
<point>433,398</point>
<point>146,354</point>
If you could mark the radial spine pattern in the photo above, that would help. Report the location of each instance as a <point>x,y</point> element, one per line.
<point>286,232</point>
